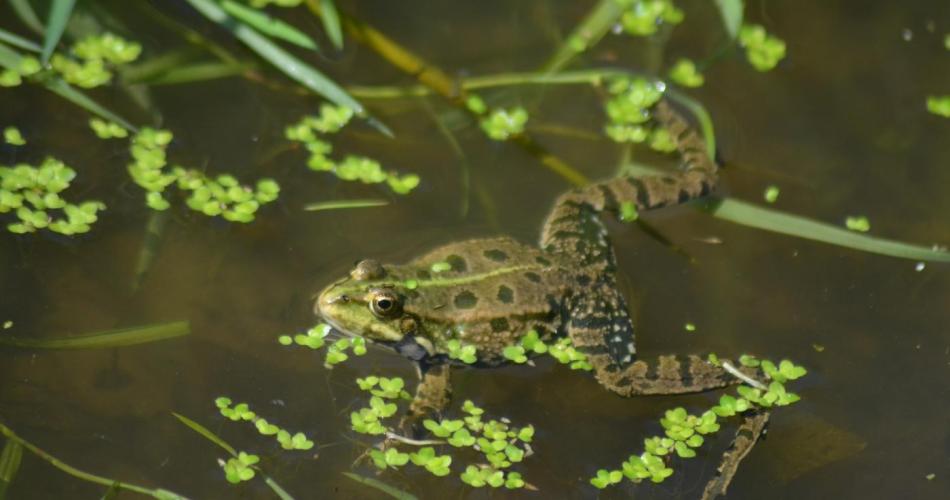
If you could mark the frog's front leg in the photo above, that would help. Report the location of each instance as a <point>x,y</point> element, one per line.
<point>433,394</point>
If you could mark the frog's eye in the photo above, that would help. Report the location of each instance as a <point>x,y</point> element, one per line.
<point>384,304</point>
<point>367,269</point>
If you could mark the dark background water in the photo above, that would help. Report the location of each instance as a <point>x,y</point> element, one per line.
<point>840,125</point>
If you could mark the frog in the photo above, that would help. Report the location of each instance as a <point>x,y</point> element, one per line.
<point>488,292</point>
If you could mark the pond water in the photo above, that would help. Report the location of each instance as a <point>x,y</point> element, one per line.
<point>840,125</point>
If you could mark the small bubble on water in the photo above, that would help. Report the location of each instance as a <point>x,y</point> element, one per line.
<point>907,34</point>
<point>617,29</point>
<point>920,267</point>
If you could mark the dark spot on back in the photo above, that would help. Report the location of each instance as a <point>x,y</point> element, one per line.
<point>423,274</point>
<point>542,261</point>
<point>457,262</point>
<point>506,295</point>
<point>496,255</point>
<point>583,280</point>
<point>465,300</point>
<point>668,180</point>
<point>499,325</point>
<point>535,277</point>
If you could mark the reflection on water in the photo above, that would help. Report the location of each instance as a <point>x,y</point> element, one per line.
<point>839,126</point>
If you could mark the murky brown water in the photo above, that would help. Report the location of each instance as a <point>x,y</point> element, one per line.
<point>840,126</point>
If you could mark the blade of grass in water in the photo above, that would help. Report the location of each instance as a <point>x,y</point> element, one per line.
<point>59,13</point>
<point>731,12</point>
<point>296,69</point>
<point>19,41</point>
<point>198,72</point>
<point>381,486</point>
<point>9,465</point>
<point>207,434</point>
<point>86,476</point>
<point>10,59</point>
<point>111,338</point>
<point>210,436</point>
<point>268,25</point>
<point>597,23</point>
<point>341,204</point>
<point>27,15</point>
<point>331,23</point>
<point>747,214</point>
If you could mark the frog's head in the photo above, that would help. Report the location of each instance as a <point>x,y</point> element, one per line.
<point>369,303</point>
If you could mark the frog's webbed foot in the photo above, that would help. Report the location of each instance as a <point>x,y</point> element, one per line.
<point>432,396</point>
<point>749,432</point>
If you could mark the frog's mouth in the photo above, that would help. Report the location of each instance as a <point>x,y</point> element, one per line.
<point>417,349</point>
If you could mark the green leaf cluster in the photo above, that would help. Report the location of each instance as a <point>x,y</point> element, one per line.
<point>684,72</point>
<point>381,405</point>
<point>465,353</point>
<point>644,17</point>
<point>219,196</point>
<point>939,105</point>
<point>501,123</point>
<point>33,192</point>
<point>315,338</point>
<point>240,468</point>
<point>106,129</point>
<point>628,112</point>
<point>92,59</point>
<point>310,131</point>
<point>12,77</point>
<point>565,352</point>
<point>426,457</point>
<point>763,50</point>
<point>13,136</point>
<point>242,411</point>
<point>857,223</point>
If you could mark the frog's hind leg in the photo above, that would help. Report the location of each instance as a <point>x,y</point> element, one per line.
<point>600,327</point>
<point>749,432</point>
<point>432,396</point>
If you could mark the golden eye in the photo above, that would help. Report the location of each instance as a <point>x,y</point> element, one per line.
<point>385,304</point>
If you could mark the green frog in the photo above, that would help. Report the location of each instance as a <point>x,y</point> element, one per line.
<point>488,293</point>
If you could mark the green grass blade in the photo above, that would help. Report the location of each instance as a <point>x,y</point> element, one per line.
<point>198,72</point>
<point>9,465</point>
<point>112,338</point>
<point>341,204</point>
<point>70,93</point>
<point>303,73</point>
<point>27,15</point>
<point>331,23</point>
<point>381,486</point>
<point>59,13</point>
<point>280,492</point>
<point>207,434</point>
<point>19,41</point>
<point>731,12</point>
<point>747,214</point>
<point>268,25</point>
<point>598,23</point>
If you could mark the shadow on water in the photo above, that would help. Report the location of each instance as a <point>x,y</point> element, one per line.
<point>839,125</point>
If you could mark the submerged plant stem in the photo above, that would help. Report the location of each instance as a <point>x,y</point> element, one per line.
<point>86,476</point>
<point>437,81</point>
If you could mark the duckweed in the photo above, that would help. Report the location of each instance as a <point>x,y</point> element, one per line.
<point>34,192</point>
<point>220,196</point>
<point>12,136</point>
<point>644,17</point>
<point>763,50</point>
<point>501,124</point>
<point>242,412</point>
<point>684,72</point>
<point>310,131</point>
